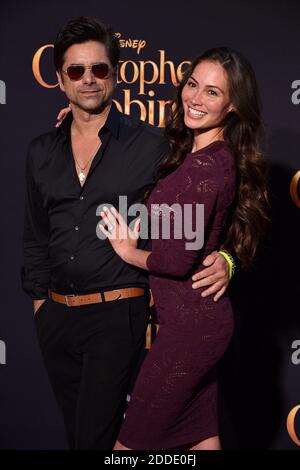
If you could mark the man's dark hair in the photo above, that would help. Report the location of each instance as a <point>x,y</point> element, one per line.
<point>83,29</point>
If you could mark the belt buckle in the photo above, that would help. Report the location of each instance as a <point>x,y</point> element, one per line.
<point>115,292</point>
<point>67,299</point>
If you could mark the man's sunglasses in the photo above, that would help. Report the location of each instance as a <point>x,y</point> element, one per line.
<point>76,72</point>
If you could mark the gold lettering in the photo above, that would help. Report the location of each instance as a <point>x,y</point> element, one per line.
<point>162,64</point>
<point>151,111</point>
<point>294,189</point>
<point>290,424</point>
<point>180,73</point>
<point>143,73</point>
<point>155,75</point>
<point>162,109</point>
<point>133,43</point>
<point>141,45</point>
<point>128,43</point>
<point>148,110</point>
<point>119,107</point>
<point>36,66</point>
<point>122,71</point>
<point>128,102</point>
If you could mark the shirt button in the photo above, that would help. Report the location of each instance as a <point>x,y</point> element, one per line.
<point>76,228</point>
<point>71,285</point>
<point>81,198</point>
<point>72,257</point>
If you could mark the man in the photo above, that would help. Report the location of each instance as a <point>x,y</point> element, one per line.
<point>91,308</point>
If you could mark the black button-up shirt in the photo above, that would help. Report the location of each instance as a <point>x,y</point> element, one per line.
<point>61,249</point>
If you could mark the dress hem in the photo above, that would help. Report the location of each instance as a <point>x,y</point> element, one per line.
<point>188,439</point>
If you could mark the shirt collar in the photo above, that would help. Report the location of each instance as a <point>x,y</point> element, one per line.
<point>112,123</point>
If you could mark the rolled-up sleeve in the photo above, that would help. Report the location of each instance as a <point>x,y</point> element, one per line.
<point>35,272</point>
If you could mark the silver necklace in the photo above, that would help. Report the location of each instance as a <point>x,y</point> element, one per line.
<point>81,175</point>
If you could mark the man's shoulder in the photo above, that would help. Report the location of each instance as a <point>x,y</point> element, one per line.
<point>134,125</point>
<point>43,147</point>
<point>44,141</point>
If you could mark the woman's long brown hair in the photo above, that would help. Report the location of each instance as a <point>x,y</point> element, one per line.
<point>242,132</point>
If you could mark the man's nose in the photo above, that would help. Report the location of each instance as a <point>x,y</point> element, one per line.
<point>88,76</point>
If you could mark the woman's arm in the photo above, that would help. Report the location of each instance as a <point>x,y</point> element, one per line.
<point>174,256</point>
<point>137,257</point>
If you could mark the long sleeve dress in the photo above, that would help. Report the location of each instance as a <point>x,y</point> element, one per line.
<point>174,400</point>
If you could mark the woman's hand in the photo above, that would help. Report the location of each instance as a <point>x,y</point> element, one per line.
<point>122,238</point>
<point>62,114</point>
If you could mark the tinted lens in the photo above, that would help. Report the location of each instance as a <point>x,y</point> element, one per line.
<point>100,70</point>
<point>75,72</point>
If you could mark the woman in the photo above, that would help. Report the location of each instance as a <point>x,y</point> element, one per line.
<point>215,161</point>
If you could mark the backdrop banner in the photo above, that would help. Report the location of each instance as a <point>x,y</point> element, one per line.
<point>259,376</point>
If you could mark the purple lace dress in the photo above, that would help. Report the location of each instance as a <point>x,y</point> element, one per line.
<point>174,401</point>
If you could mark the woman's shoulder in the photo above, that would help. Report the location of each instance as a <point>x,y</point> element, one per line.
<point>213,168</point>
<point>215,149</point>
<point>215,156</point>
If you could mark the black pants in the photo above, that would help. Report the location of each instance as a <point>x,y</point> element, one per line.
<point>90,353</point>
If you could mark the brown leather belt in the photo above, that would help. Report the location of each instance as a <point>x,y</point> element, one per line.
<point>86,299</point>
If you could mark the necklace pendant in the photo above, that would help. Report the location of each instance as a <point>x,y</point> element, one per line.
<point>81,177</point>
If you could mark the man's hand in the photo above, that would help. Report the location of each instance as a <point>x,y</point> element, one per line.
<point>216,275</point>
<point>62,114</point>
<point>37,304</point>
